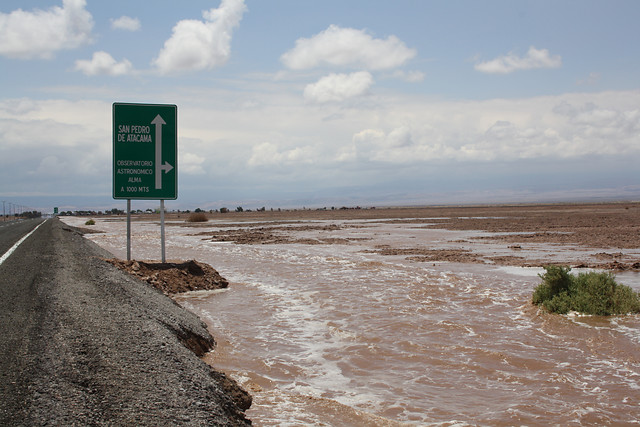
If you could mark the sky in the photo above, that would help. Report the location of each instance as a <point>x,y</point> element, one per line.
<point>292,103</point>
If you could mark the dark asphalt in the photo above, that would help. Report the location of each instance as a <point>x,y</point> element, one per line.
<point>82,343</point>
<point>12,231</point>
<point>21,318</point>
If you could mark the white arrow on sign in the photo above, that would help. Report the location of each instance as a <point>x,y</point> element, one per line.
<point>158,121</point>
<point>166,167</point>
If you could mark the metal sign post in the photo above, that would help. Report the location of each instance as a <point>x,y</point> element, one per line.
<point>162,230</point>
<point>145,157</point>
<point>128,229</point>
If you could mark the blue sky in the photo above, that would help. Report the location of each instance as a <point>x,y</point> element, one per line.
<point>307,103</point>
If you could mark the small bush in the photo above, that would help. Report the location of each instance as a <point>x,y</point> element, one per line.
<point>197,217</point>
<point>90,222</point>
<point>589,293</point>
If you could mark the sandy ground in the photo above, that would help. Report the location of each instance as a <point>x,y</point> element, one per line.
<point>612,228</point>
<point>615,225</point>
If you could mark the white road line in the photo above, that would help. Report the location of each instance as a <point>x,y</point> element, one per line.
<point>14,247</point>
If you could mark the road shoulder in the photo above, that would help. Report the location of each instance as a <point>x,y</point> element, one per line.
<point>100,347</point>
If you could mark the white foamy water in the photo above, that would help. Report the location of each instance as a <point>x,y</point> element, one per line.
<point>336,334</point>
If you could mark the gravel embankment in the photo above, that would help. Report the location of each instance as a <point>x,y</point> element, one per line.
<point>86,344</point>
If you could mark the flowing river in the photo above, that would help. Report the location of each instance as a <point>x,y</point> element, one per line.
<point>322,329</point>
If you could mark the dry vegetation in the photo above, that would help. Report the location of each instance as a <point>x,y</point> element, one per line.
<point>197,217</point>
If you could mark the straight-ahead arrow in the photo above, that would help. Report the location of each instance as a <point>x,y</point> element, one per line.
<point>158,121</point>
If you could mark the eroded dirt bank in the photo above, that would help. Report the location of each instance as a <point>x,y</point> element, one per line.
<point>174,277</point>
<point>96,346</point>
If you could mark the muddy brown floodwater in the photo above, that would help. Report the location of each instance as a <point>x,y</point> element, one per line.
<point>412,315</point>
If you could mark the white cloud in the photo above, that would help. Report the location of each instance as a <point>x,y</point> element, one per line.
<point>268,154</point>
<point>338,87</point>
<point>535,58</point>
<point>409,76</point>
<point>376,145</point>
<point>52,166</point>
<point>191,164</point>
<point>295,147</point>
<point>40,33</point>
<point>413,130</point>
<point>56,147</point>
<point>103,64</point>
<point>563,127</point>
<point>126,23</point>
<point>53,124</point>
<point>199,45</point>
<point>347,47</point>
<point>592,79</point>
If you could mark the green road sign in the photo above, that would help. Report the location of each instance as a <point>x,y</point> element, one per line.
<point>145,151</point>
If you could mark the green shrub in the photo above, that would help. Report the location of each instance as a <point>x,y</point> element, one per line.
<point>588,293</point>
<point>560,303</point>
<point>555,281</point>
<point>90,222</point>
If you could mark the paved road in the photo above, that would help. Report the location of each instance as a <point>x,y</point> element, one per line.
<point>20,311</point>
<point>82,343</point>
<point>12,231</point>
